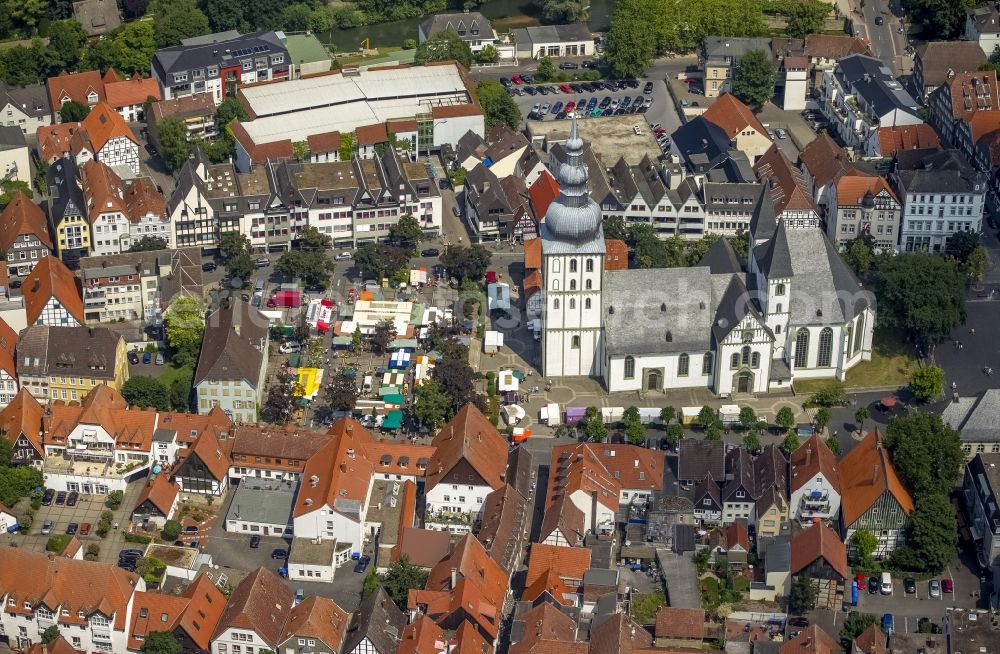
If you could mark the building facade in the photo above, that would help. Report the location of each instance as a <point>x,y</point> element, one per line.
<point>864,206</point>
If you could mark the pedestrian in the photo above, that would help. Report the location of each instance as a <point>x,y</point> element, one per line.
<point>960,345</point>
<point>973,331</point>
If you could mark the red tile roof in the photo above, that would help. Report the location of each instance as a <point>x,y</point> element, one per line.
<point>371,134</point>
<point>542,193</point>
<point>23,217</point>
<point>788,185</point>
<point>575,468</point>
<point>813,458</point>
<point>829,46</point>
<point>866,473</point>
<point>325,142</point>
<point>161,492</point>
<point>548,582</point>
<point>971,92</point>
<point>547,630</point>
<point>871,641</point>
<point>401,125</point>
<point>23,416</point>
<point>825,160</point>
<point>533,254</point>
<point>422,636</point>
<point>423,547</point>
<point>469,436</point>
<point>532,282</point>
<point>50,278</point>
<point>852,187</point>
<point>134,91</point>
<point>680,623</point>
<point>103,406</point>
<point>819,542</point>
<point>615,255</point>
<point>812,640</point>
<point>906,137</point>
<point>455,111</point>
<point>342,468</point>
<point>568,562</point>
<point>75,86</point>
<point>261,603</point>
<point>732,116</point>
<point>320,618</point>
<point>103,123</point>
<point>261,152</point>
<point>57,646</point>
<point>54,140</point>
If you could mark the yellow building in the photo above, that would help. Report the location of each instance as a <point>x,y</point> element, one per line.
<point>65,363</point>
<point>68,210</point>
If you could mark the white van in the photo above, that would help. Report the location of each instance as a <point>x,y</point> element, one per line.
<point>886,585</point>
<point>366,386</point>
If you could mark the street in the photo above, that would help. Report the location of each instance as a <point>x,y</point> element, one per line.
<point>888,41</point>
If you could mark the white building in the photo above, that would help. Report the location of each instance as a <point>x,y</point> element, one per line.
<point>814,482</point>
<point>700,327</point>
<point>470,462</point>
<point>863,205</point>
<point>108,139</point>
<point>15,163</point>
<point>89,602</point>
<point>25,107</point>
<point>572,40</point>
<point>795,74</point>
<point>255,615</point>
<point>261,507</point>
<point>982,25</point>
<point>945,196</point>
<point>470,26</point>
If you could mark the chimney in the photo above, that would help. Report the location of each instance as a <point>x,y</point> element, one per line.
<point>454,578</point>
<point>236,328</point>
<point>874,474</point>
<point>343,467</point>
<point>809,452</point>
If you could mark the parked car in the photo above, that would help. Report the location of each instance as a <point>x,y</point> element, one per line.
<point>147,357</point>
<point>85,529</point>
<point>279,553</point>
<point>48,496</point>
<point>289,346</point>
<point>934,588</point>
<point>886,584</point>
<point>872,586</point>
<point>344,256</point>
<point>159,358</point>
<point>888,623</point>
<point>910,585</point>
<point>72,498</point>
<point>362,564</point>
<point>46,527</point>
<point>263,262</point>
<point>300,595</point>
<point>254,542</point>
<point>209,266</point>
<point>798,621</point>
<point>505,81</point>
<point>133,358</point>
<point>648,88</point>
<point>72,528</point>
<point>568,65</point>
<point>948,586</point>
<point>430,252</point>
<point>531,90</point>
<point>517,79</point>
<point>195,544</point>
<point>60,498</point>
<point>879,20</point>
<point>129,554</point>
<point>191,529</point>
<point>782,134</point>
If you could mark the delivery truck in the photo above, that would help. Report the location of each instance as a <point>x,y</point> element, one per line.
<point>285,299</point>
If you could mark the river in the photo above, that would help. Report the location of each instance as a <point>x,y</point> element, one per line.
<point>504,12</point>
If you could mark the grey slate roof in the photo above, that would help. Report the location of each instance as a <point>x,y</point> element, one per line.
<point>824,291</point>
<point>97,16</point>
<point>779,555</point>
<point>380,621</point>
<point>697,458</point>
<point>552,33</point>
<point>470,26</point>
<point>658,310</point>
<point>721,259</point>
<point>33,100</point>
<point>218,49</point>
<point>69,351</point>
<point>715,47</point>
<point>976,419</point>
<point>870,79</point>
<point>740,197</point>
<point>943,172</point>
<point>263,502</point>
<point>229,350</point>
<point>941,59</point>
<point>739,466</point>
<point>11,138</point>
<point>703,145</point>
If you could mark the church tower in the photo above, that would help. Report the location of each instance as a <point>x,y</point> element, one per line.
<point>572,269</point>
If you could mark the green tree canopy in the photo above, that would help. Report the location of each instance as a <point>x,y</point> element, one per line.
<point>498,106</point>
<point>185,319</point>
<point>565,11</point>
<point>748,418</point>
<point>161,642</point>
<point>467,263</point>
<point>785,418</point>
<point>171,530</point>
<point>864,544</point>
<point>939,19</point>
<point>444,46</point>
<point>822,418</point>
<point>73,111</point>
<point>383,333</point>
<point>342,393</point>
<point>790,443</point>
<point>148,244</point>
<point>136,44</point>
<point>546,69</point>
<point>859,255</point>
<point>376,261</point>
<point>614,228</point>
<point>66,41</point>
<point>926,452</point>
<point>854,625</point>
<point>755,77</point>
<point>752,442</point>
<point>142,391</point>
<point>961,244</point>
<point>312,267</point>
<point>172,139</point>
<point>50,634</point>
<point>803,595</point>
<point>431,405</point>
<point>805,17</point>
<point>630,46</point>
<point>932,535</point>
<point>17,482</point>
<point>402,577</point>
<point>406,232</point>
<point>175,20</point>
<point>927,383</point>
<point>922,294</point>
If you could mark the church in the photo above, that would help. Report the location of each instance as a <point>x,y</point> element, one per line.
<point>796,312</point>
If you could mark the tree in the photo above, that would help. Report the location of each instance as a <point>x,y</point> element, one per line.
<point>785,418</point>
<point>804,18</point>
<point>713,432</point>
<point>752,442</point>
<point>748,418</point>
<point>803,595</point>
<point>831,394</point>
<point>978,263</point>
<point>50,634</point>
<point>225,15</point>
<point>376,261</point>
<point>176,20</point>
<point>467,263</point>
<point>115,499</point>
<point>755,77</point>
<point>135,44</point>
<point>863,544</point>
<point>614,228</point>
<point>833,444</point>
<point>171,530</point>
<point>927,383</point>
<point>565,11</point>
<point>161,642</point>
<point>630,46</point>
<point>546,69</point>
<point>444,46</point>
<point>926,452</point>
<point>790,443</point>
<point>235,251</point>
<point>431,404</point>
<point>457,380</point>
<point>922,294</point>
<point>667,414</point>
<point>142,391</point>
<point>675,433</point>
<point>371,584</point>
<point>594,426</point>
<point>383,333</point>
<point>180,388</point>
<point>401,578</point>
<point>18,482</point>
<point>961,244</point>
<point>931,537</point>
<point>172,140</point>
<point>634,430</point>
<point>342,393</point>
<point>858,255</point>
<point>73,111</point>
<point>707,416</point>
<point>860,416</point>
<point>498,106</point>
<point>406,232</point>
<point>22,66</point>
<point>279,405</point>
<point>295,17</point>
<point>312,267</point>
<point>822,418</point>
<point>939,19</point>
<point>66,41</point>
<point>149,244</point>
<point>854,625</point>
<point>356,338</point>
<point>185,319</point>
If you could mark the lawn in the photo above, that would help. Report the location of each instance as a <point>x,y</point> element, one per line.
<point>891,365</point>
